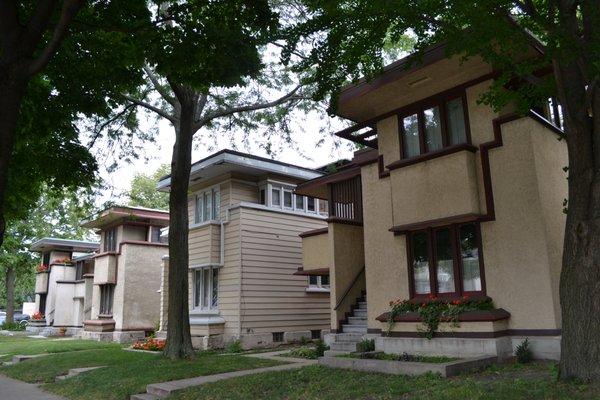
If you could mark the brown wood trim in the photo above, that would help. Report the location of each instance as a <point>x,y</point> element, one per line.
<point>478,335</point>
<point>383,172</point>
<point>312,272</point>
<point>344,221</point>
<point>88,275</point>
<point>431,155</point>
<point>327,179</point>
<point>433,223</point>
<point>391,113</point>
<point>497,314</point>
<point>314,232</point>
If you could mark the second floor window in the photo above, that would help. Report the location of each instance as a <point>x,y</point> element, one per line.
<point>431,127</point>
<point>110,239</point>
<point>283,197</point>
<point>207,205</point>
<point>79,270</point>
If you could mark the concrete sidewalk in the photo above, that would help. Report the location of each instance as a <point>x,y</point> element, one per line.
<point>11,389</point>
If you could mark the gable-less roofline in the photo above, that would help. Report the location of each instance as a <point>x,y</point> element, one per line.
<point>71,245</point>
<point>123,212</point>
<point>243,159</point>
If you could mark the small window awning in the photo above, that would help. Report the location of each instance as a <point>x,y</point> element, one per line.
<point>312,272</point>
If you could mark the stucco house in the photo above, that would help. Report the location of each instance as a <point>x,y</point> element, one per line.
<point>62,286</point>
<point>448,200</point>
<point>126,275</point>
<point>244,249</point>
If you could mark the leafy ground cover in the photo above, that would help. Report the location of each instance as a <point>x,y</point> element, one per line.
<point>377,355</point>
<point>507,382</point>
<point>124,373</point>
<point>19,344</point>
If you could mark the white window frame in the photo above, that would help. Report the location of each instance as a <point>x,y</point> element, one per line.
<point>282,187</point>
<point>319,287</point>
<point>215,200</point>
<point>203,307</point>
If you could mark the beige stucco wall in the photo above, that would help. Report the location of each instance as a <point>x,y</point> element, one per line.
<point>57,273</point>
<point>522,248</point>
<point>136,302</point>
<point>105,268</point>
<point>348,256</point>
<point>437,188</point>
<point>316,252</point>
<point>385,254</point>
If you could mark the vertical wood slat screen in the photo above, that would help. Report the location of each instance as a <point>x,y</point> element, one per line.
<point>346,200</point>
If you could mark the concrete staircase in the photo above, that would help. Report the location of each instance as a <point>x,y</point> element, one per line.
<point>353,331</point>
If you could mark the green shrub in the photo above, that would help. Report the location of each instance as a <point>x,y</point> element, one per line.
<point>304,340</point>
<point>12,326</point>
<point>235,347</point>
<point>320,348</point>
<point>524,353</point>
<point>366,345</point>
<point>304,352</point>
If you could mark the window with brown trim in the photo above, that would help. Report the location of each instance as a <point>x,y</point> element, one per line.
<point>446,261</point>
<point>431,126</point>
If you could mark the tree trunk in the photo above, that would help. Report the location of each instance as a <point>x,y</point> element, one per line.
<point>179,341</point>
<point>11,95</point>
<point>580,275</point>
<point>10,294</point>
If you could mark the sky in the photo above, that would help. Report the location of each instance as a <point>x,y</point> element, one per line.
<point>306,133</point>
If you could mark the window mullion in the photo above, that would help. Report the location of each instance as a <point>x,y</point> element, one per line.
<point>432,262</point>
<point>444,124</point>
<point>421,124</point>
<point>458,284</point>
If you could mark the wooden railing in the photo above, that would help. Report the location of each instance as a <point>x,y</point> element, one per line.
<point>345,200</point>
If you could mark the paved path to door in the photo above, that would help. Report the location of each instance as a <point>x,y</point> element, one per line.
<point>165,389</point>
<point>11,389</point>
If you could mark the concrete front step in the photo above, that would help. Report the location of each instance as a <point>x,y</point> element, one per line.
<point>343,346</point>
<point>357,320</point>
<point>354,328</point>
<point>348,337</point>
<point>362,305</point>
<point>360,313</point>
<point>334,353</point>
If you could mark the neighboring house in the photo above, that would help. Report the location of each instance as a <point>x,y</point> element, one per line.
<point>127,272</point>
<point>61,285</point>
<point>443,184</point>
<point>243,250</point>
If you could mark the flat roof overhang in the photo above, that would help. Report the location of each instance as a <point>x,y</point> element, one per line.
<point>312,272</point>
<point>49,244</point>
<point>227,161</point>
<point>122,214</point>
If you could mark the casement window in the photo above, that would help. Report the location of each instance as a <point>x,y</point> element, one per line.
<point>79,270</point>
<point>107,293</point>
<point>42,308</point>
<point>206,288</point>
<point>110,239</point>
<point>46,258</point>
<point>446,261</point>
<point>154,234</point>
<point>282,196</point>
<point>208,205</point>
<point>433,126</point>
<point>318,283</point>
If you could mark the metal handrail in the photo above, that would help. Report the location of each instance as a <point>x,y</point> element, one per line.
<point>349,288</point>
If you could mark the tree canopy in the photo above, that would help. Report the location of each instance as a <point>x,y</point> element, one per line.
<point>143,190</point>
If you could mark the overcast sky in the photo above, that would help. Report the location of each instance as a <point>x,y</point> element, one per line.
<point>306,135</point>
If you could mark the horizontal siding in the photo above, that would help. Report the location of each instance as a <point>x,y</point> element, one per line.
<point>273,299</point>
<point>241,191</point>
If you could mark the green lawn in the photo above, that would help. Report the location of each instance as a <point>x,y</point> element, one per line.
<point>13,345</point>
<point>535,382</point>
<point>125,373</point>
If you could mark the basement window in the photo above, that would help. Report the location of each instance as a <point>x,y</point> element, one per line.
<point>318,283</point>
<point>277,337</point>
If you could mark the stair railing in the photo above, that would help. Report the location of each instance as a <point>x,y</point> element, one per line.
<point>347,291</point>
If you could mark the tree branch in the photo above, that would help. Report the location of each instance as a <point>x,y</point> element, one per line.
<point>158,87</point>
<point>250,107</point>
<point>108,122</point>
<point>68,12</point>
<point>150,107</point>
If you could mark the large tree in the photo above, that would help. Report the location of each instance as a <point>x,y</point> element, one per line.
<point>143,190</point>
<point>82,50</point>
<point>204,71</point>
<point>348,37</point>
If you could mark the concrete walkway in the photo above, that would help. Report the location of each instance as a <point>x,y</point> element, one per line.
<point>165,389</point>
<point>11,389</point>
